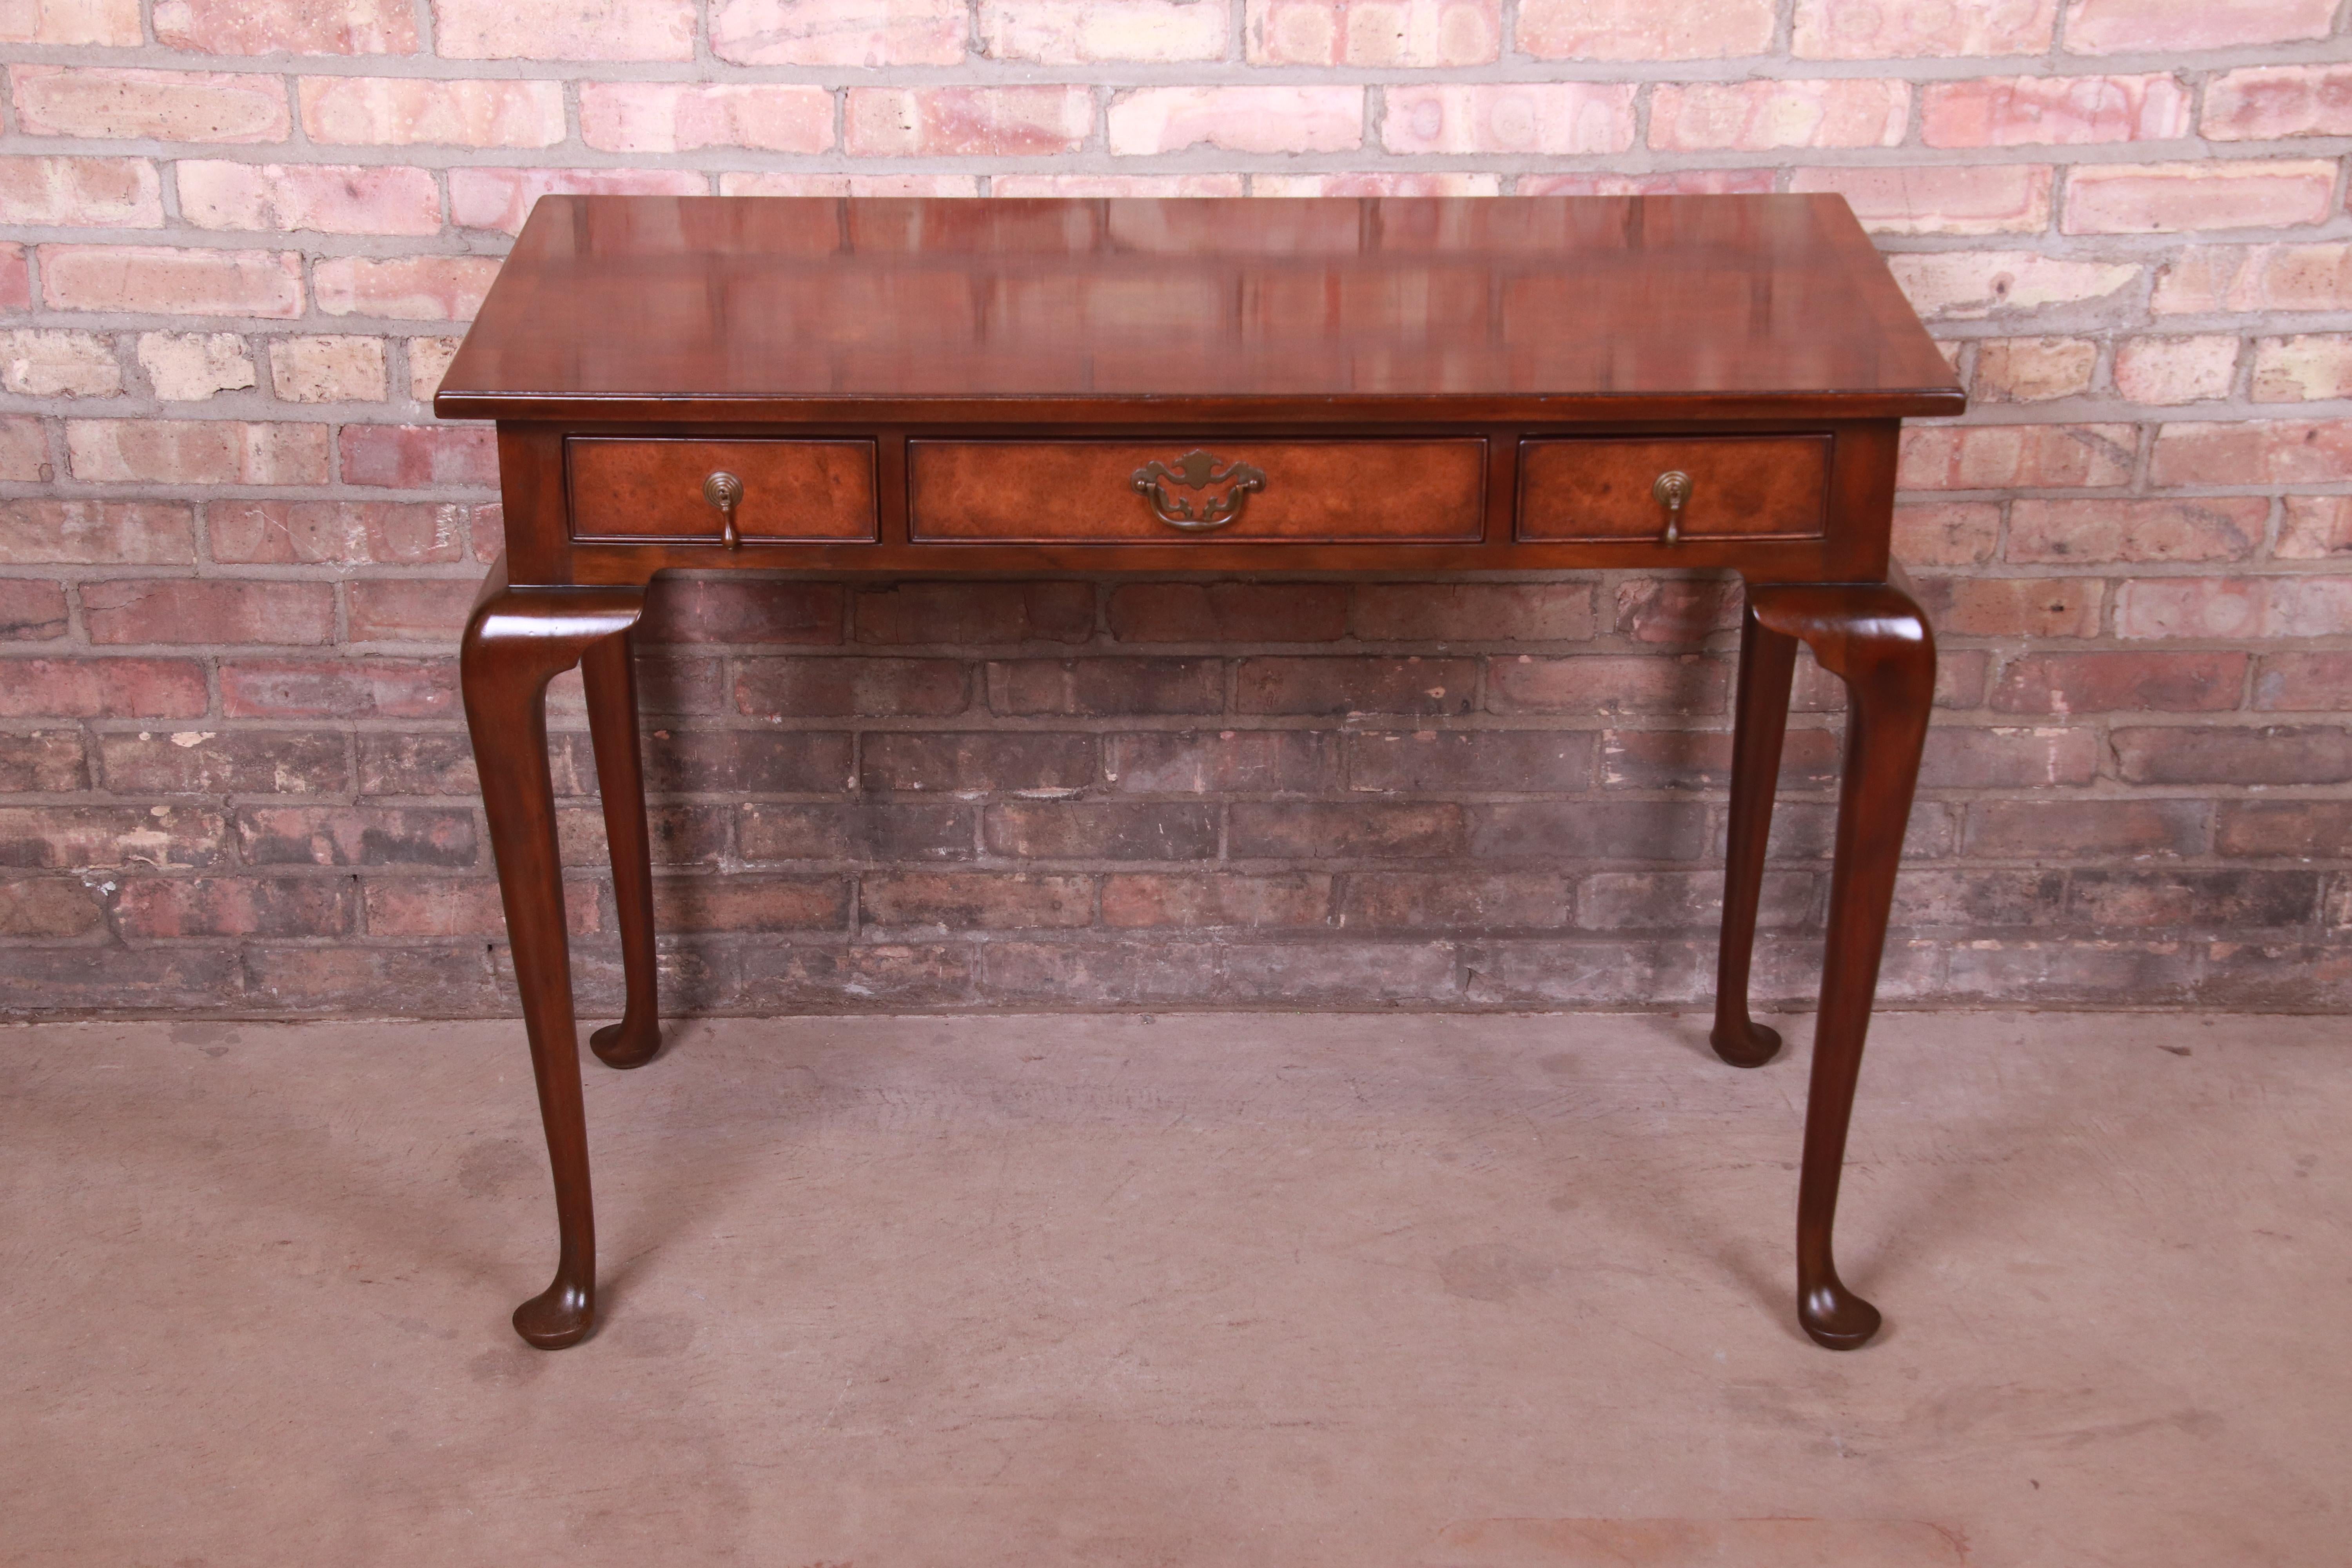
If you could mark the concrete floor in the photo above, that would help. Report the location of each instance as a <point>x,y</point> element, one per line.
<point>1478,1292</point>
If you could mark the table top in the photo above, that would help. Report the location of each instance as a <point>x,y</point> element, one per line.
<point>712,309</point>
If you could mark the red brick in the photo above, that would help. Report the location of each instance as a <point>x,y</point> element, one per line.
<point>1677,611</point>
<point>38,364</point>
<point>2256,278</point>
<point>106,22</point>
<point>1759,115</point>
<point>80,193</point>
<point>1962,757</point>
<point>1372,32</point>
<point>1667,182</point>
<point>284,533</point>
<point>1120,975</point>
<point>692,610</point>
<point>39,907</point>
<point>1701,759</point>
<point>110,838</point>
<point>1606,684</point>
<point>161,279</point>
<point>1258,761</point>
<point>1968,284</point>
<point>1636,30</point>
<point>2176,369</point>
<point>1473,612</point>
<point>977,759</point>
<point>828,33</point>
<point>1116,185</point>
<point>1229,611</point>
<point>1590,830</point>
<point>2311,683</point>
<point>293,27</point>
<point>16,279</point>
<point>811,976</point>
<point>2149,198</point>
<point>1685,900</point>
<point>1947,534</point>
<point>872,831</point>
<point>55,981</point>
<point>408,287</point>
<point>810,688</point>
<point>1983,198</point>
<point>1977,900</point>
<point>741,902</point>
<point>169,106</point>
<point>31,610</point>
<point>418,457</point>
<point>2311,366</point>
<point>1542,119</point>
<point>196,452</point>
<point>1193,901</point>
<point>493,197</point>
<point>2114,682</point>
<point>37,531</point>
<point>1098,687</point>
<point>895,185</point>
<point>1304,119</point>
<point>2271,101</point>
<point>2278,754</point>
<point>2300,828</point>
<point>2085,829</point>
<point>339,688</point>
<point>326,198</point>
<point>564,29</point>
<point>407,609</point>
<point>2252,452</point>
<point>2032,111</point>
<point>2316,528</point>
<point>458,907</point>
<point>1076,32</point>
<point>1101,830</point>
<point>1451,760</point>
<point>356,835</point>
<point>2082,532</point>
<point>2138,27</point>
<point>754,762</point>
<point>103,688</point>
<point>2193,608</point>
<point>406,112</point>
<point>975,900</point>
<point>1353,829</point>
<point>976,613</point>
<point>238,762</point>
<point>1484,901</point>
<point>42,763</point>
<point>2059,972</point>
<point>2033,370</point>
<point>1867,29</point>
<point>681,835</point>
<point>156,907</point>
<point>965,122</point>
<point>1998,457</point>
<point>208,610</point>
<point>1365,685</point>
<point>431,982</point>
<point>669,117</point>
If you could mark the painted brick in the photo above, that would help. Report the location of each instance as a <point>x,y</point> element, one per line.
<point>1237,120</point>
<point>208,610</point>
<point>2041,111</point>
<point>158,280</point>
<point>2304,683</point>
<point>2086,533</point>
<point>1561,119</point>
<point>406,288</point>
<point>2033,370</point>
<point>2137,26</point>
<point>1637,30</point>
<point>1966,285</point>
<point>2256,278</point>
<point>31,610</point>
<point>2146,198</point>
<point>564,29</point>
<point>106,22</point>
<point>59,364</point>
<point>2253,453</point>
<point>1372,32</point>
<point>1080,32</point>
<point>402,112</point>
<point>168,106</point>
<point>839,32</point>
<point>2121,682</point>
<point>291,27</point>
<point>1990,456</point>
<point>1947,534</point>
<point>2175,370</point>
<point>107,688</point>
<point>961,121</point>
<point>1758,116</point>
<point>666,117</point>
<point>2299,369</point>
<point>500,198</point>
<point>1984,198</point>
<point>1871,29</point>
<point>35,531</point>
<point>80,193</point>
<point>2315,528</point>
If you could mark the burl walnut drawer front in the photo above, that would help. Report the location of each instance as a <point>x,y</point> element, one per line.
<point>1674,488</point>
<point>1127,492</point>
<point>625,488</point>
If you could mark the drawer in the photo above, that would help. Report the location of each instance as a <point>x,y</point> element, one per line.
<point>1162,492</point>
<point>625,488</point>
<point>1739,486</point>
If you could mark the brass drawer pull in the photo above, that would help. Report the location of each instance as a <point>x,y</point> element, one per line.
<point>1672,488</point>
<point>1198,470</point>
<point>725,491</point>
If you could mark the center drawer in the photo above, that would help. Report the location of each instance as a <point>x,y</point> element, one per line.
<point>1129,492</point>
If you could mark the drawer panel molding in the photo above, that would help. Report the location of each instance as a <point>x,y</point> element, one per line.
<point>1670,489</point>
<point>635,489</point>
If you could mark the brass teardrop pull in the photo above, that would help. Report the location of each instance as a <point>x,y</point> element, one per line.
<point>1672,489</point>
<point>725,491</point>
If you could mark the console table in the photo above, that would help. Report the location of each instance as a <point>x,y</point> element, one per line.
<point>943,387</point>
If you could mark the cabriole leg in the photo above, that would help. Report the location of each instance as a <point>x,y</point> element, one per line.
<point>609,672</point>
<point>517,641</point>
<point>1768,662</point>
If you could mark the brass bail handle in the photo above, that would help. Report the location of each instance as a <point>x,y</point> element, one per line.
<point>1197,470</point>
<point>1672,490</point>
<point>725,491</point>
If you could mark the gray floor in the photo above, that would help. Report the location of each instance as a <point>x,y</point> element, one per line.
<point>1227,1290</point>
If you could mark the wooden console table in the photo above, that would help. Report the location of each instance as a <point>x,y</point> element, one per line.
<point>926,388</point>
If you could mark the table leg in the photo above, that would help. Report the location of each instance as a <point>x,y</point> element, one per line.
<point>1768,663</point>
<point>515,642</point>
<point>1874,638</point>
<point>609,672</point>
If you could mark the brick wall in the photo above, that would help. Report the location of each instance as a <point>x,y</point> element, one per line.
<point>235,548</point>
